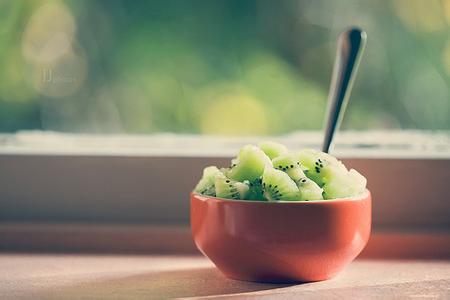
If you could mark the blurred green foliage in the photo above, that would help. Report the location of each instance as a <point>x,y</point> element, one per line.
<point>218,67</point>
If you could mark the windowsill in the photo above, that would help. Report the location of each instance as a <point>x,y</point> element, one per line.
<point>29,237</point>
<point>50,177</point>
<point>355,144</point>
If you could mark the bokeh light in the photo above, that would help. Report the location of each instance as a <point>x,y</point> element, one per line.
<point>421,16</point>
<point>234,112</point>
<point>208,67</point>
<point>13,85</point>
<point>49,32</point>
<point>446,57</point>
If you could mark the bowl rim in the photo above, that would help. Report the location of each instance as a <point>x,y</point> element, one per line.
<point>361,197</point>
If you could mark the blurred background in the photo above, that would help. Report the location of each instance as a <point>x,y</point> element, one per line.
<point>218,67</point>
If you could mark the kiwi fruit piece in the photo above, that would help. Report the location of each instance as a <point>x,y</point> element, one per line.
<point>277,185</point>
<point>228,188</point>
<point>272,149</point>
<point>270,172</point>
<point>249,164</point>
<point>308,158</point>
<point>255,191</point>
<point>320,167</point>
<point>331,175</point>
<point>206,184</point>
<point>359,179</point>
<point>309,190</point>
<point>290,164</point>
<point>349,184</point>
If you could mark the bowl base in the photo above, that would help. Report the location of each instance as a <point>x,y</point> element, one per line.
<point>275,279</point>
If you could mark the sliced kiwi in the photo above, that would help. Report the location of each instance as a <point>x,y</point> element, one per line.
<point>228,188</point>
<point>290,164</point>
<point>308,175</point>
<point>320,167</point>
<point>359,179</point>
<point>272,149</point>
<point>277,185</point>
<point>308,158</point>
<point>350,184</point>
<point>255,191</point>
<point>206,184</point>
<point>249,165</point>
<point>309,190</point>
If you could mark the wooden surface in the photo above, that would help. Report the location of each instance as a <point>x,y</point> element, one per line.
<point>86,261</point>
<point>45,276</point>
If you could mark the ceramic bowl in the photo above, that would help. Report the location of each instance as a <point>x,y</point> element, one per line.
<point>281,241</point>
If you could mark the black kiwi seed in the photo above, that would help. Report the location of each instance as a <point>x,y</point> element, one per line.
<point>280,167</point>
<point>321,165</point>
<point>303,180</point>
<point>316,163</point>
<point>292,166</point>
<point>320,160</point>
<point>227,181</point>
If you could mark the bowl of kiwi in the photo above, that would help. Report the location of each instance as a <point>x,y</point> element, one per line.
<point>277,215</point>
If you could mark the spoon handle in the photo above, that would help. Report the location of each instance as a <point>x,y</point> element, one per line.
<point>350,46</point>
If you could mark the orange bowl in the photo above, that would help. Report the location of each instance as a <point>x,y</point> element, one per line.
<point>280,241</point>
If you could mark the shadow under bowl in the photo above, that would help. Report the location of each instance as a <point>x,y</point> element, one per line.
<point>281,241</point>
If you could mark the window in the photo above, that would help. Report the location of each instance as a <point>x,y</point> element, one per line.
<point>213,67</point>
<point>126,101</point>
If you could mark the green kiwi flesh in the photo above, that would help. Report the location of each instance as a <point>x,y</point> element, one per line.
<point>309,190</point>
<point>320,167</point>
<point>249,165</point>
<point>290,164</point>
<point>350,184</point>
<point>277,185</point>
<point>228,188</point>
<point>206,184</point>
<point>272,149</point>
<point>270,172</point>
<point>255,191</point>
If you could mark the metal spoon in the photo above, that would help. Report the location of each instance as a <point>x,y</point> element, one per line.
<point>350,47</point>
